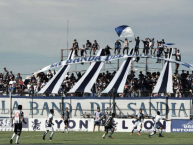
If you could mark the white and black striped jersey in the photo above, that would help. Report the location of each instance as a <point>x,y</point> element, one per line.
<point>139,116</point>
<point>18,114</point>
<point>66,115</point>
<point>109,121</point>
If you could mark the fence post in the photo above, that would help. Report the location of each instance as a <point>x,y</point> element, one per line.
<point>32,105</point>
<point>149,106</point>
<point>10,104</point>
<point>114,105</point>
<point>167,107</point>
<point>62,102</point>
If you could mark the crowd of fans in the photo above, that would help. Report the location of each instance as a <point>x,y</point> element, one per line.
<point>161,48</point>
<point>137,85</point>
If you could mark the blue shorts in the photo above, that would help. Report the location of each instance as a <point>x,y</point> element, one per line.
<point>97,123</point>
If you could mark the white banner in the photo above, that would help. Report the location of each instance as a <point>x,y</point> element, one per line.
<point>177,108</point>
<point>82,124</point>
<point>5,125</point>
<point>39,124</point>
<point>126,125</point>
<point>107,58</point>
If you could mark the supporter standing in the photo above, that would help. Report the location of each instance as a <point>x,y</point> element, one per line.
<point>178,58</point>
<point>75,47</point>
<point>97,116</point>
<point>107,50</point>
<point>158,55</point>
<point>117,46</point>
<point>5,74</point>
<point>126,46</point>
<point>160,45</point>
<point>137,45</point>
<point>151,45</point>
<point>146,46</point>
<point>95,46</point>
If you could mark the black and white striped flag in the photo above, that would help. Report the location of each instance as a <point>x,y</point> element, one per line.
<point>118,81</point>
<point>54,84</point>
<point>87,81</point>
<point>164,84</point>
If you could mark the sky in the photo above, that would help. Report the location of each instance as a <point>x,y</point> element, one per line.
<point>32,32</point>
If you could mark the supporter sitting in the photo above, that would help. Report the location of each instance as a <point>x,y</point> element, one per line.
<point>88,47</point>
<point>11,76</point>
<point>82,51</point>
<point>18,77</point>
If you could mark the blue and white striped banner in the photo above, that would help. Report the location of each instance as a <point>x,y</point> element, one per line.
<point>118,82</point>
<point>107,59</point>
<point>87,81</point>
<point>54,84</point>
<point>164,84</point>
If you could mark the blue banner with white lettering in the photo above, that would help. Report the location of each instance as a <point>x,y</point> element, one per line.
<point>181,125</point>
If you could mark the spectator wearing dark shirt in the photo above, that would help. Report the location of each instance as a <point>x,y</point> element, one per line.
<point>49,75</point>
<point>117,46</point>
<point>158,55</point>
<point>11,76</point>
<point>75,47</point>
<point>137,45</point>
<point>18,77</point>
<point>88,47</point>
<point>107,50</point>
<point>95,46</point>
<point>146,46</point>
<point>166,52</point>
<point>160,45</point>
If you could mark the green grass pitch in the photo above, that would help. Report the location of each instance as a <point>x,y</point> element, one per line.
<point>96,138</point>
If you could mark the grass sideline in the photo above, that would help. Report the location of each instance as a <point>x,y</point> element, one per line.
<point>30,137</point>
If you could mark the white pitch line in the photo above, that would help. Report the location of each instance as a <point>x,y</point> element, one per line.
<point>21,137</point>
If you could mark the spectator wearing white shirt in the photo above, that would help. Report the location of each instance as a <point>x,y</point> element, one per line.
<point>126,46</point>
<point>151,45</point>
<point>178,58</point>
